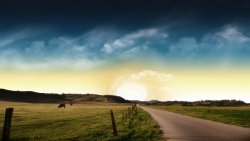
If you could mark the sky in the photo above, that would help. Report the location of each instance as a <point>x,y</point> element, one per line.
<point>138,49</point>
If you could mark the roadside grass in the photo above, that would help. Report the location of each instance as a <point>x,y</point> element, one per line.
<point>83,122</point>
<point>239,116</point>
<point>142,127</point>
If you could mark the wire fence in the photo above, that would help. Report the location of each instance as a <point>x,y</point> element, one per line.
<point>119,119</point>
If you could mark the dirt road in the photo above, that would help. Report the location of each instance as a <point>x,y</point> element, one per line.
<point>178,127</point>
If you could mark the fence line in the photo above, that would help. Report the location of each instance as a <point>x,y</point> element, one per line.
<point>127,114</point>
<point>124,116</point>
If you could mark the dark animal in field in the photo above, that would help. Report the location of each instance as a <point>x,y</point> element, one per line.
<point>61,106</point>
<point>71,104</point>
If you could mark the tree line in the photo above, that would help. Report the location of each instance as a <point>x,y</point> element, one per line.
<point>202,103</point>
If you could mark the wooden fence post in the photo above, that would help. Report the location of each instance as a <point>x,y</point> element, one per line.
<point>7,124</point>
<point>123,118</point>
<point>132,109</point>
<point>113,123</point>
<point>128,112</point>
<point>126,115</point>
<point>135,110</point>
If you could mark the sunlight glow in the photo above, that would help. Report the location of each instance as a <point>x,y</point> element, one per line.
<point>132,91</point>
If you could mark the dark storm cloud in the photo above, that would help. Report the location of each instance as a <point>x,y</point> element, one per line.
<point>75,15</point>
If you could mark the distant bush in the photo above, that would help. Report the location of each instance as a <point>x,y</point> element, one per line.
<point>219,103</point>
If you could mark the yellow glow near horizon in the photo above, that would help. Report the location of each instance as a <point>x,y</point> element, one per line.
<point>136,82</point>
<point>193,85</point>
<point>55,82</point>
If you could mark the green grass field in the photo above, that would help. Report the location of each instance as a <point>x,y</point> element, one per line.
<point>83,122</point>
<point>230,115</point>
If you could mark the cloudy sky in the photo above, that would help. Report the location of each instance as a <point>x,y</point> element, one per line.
<point>138,49</point>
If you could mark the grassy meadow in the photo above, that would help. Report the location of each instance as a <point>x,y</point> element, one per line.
<point>230,115</point>
<point>83,122</point>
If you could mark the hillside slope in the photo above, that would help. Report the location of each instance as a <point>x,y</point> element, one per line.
<point>35,97</point>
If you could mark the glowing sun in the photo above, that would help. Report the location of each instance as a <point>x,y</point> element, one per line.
<point>132,91</point>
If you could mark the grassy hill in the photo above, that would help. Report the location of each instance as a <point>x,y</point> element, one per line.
<point>35,97</point>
